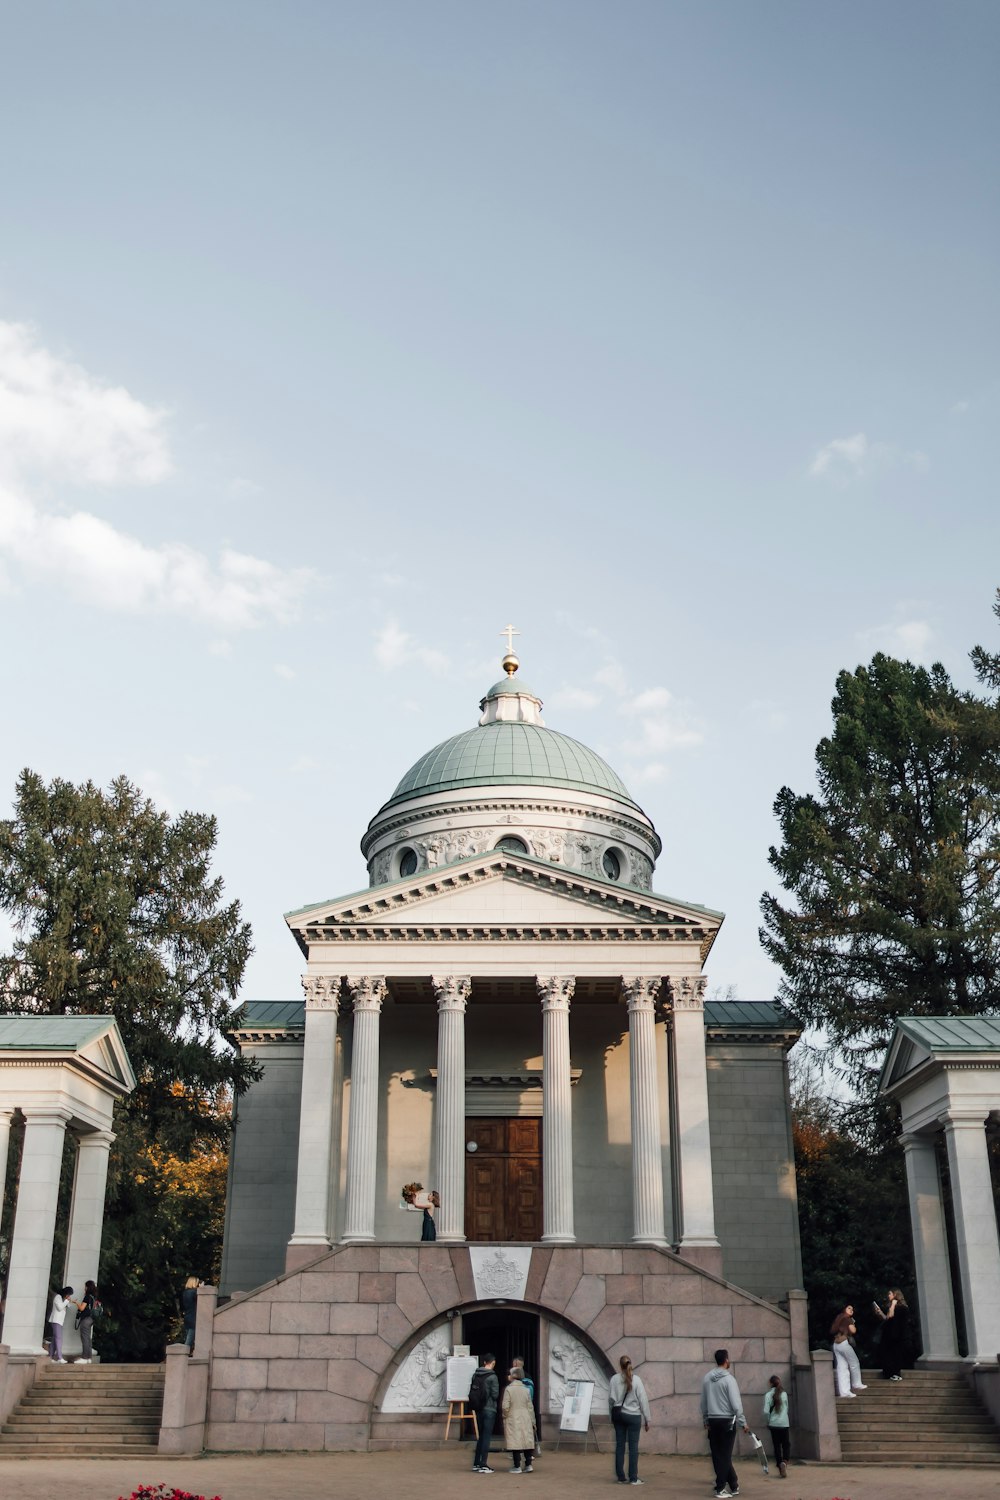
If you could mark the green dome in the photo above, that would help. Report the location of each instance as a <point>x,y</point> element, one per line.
<point>509,687</point>
<point>510,754</point>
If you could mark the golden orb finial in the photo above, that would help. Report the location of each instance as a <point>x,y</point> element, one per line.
<point>510,662</point>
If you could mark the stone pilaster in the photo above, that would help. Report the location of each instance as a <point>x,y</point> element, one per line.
<point>930,1248</point>
<point>452,993</point>
<point>314,1174</point>
<point>368,993</point>
<point>6,1115</point>
<point>693,1164</point>
<point>86,1219</point>
<point>557,1111</point>
<point>975,1229</point>
<point>647,1166</point>
<point>34,1228</point>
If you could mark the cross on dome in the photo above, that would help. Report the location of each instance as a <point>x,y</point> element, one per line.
<point>510,662</point>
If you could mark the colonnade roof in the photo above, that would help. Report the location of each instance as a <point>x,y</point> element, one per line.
<point>922,1039</point>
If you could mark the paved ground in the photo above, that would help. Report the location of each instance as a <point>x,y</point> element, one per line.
<point>444,1476</point>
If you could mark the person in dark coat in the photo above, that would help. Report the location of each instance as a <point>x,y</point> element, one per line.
<point>486,1415</point>
<point>893,1335</point>
<point>189,1307</point>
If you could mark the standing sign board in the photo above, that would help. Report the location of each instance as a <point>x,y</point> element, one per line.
<point>459,1371</point>
<point>576,1407</point>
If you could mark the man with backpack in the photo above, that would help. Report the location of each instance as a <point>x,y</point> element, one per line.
<point>484,1397</point>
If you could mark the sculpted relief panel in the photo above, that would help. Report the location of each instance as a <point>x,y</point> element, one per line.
<point>581,851</point>
<point>571,1360</point>
<point>419,1383</point>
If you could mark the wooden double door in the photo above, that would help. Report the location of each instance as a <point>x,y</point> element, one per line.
<point>503,1179</point>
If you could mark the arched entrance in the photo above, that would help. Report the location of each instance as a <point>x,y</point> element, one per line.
<point>508,1333</point>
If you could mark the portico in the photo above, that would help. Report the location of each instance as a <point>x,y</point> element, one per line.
<point>60,1076</point>
<point>548,951</point>
<point>944,1072</point>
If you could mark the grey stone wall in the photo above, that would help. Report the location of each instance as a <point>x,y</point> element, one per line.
<point>260,1202</point>
<point>753,1168</point>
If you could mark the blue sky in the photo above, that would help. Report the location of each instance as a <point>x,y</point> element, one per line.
<point>333,337</point>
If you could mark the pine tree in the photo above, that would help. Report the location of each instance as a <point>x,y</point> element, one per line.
<point>894,868</point>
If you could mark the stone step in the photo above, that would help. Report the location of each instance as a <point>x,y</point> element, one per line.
<point>956,1459</point>
<point>10,1449</point>
<point>909,1430</point>
<point>31,1421</point>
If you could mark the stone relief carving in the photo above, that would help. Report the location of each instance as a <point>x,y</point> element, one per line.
<point>689,993</point>
<point>452,991</point>
<point>367,991</point>
<point>571,1360</point>
<point>419,1383</point>
<point>578,851</point>
<point>321,992</point>
<point>500,1273</point>
<point>641,993</point>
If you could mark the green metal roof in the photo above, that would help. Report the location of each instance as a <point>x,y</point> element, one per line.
<point>268,1015</point>
<point>277,1015</point>
<point>952,1033</point>
<point>741,1014</point>
<point>505,754</point>
<point>51,1033</point>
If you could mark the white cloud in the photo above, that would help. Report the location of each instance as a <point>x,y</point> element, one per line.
<point>59,425</point>
<point>650,701</point>
<point>959,408</point>
<point>905,638</point>
<point>846,460</point>
<point>59,421</point>
<point>282,670</point>
<point>612,675</point>
<point>395,648</point>
<point>572,697</point>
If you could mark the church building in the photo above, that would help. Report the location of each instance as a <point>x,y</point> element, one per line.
<point>510,1015</point>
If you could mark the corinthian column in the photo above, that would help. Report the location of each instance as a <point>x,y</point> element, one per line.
<point>314,1175</point>
<point>693,1158</point>
<point>452,994</point>
<point>647,1164</point>
<point>557,1112</point>
<point>362,1138</point>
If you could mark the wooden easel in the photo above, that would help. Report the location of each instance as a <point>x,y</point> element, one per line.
<point>460,1416</point>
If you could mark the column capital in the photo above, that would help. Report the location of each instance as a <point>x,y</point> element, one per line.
<point>965,1119</point>
<point>911,1140</point>
<point>452,990</point>
<point>103,1139</point>
<point>640,993</point>
<point>322,991</point>
<point>368,991</point>
<point>688,991</point>
<point>555,991</point>
<point>46,1114</point>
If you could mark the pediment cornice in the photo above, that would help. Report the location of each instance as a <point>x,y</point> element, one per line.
<point>596,910</point>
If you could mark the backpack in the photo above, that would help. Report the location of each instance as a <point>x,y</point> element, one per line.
<point>96,1309</point>
<point>478,1391</point>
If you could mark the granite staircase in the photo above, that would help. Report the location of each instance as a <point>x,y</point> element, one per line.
<point>931,1417</point>
<point>87,1411</point>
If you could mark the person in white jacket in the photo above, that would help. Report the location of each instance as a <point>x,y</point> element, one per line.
<point>629,1410</point>
<point>722,1413</point>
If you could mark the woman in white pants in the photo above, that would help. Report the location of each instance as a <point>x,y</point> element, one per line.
<point>845,1361</point>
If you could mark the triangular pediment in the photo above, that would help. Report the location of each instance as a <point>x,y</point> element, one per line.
<point>502,889</point>
<point>905,1055</point>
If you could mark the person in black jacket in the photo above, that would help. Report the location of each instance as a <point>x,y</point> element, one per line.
<point>85,1321</point>
<point>893,1335</point>
<point>189,1307</point>
<point>486,1415</point>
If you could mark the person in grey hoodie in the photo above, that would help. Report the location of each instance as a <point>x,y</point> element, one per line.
<point>722,1412</point>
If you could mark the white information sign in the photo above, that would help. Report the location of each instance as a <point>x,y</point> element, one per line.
<point>576,1407</point>
<point>459,1371</point>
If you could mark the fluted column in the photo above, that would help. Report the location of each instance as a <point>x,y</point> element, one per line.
<point>452,993</point>
<point>975,1229</point>
<point>314,1173</point>
<point>34,1228</point>
<point>368,994</point>
<point>6,1115</point>
<point>647,1164</point>
<point>557,1111</point>
<point>693,1157</point>
<point>86,1219</point>
<point>930,1248</point>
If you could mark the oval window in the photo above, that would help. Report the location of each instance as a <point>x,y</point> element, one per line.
<point>512,845</point>
<point>407,863</point>
<point>612,865</point>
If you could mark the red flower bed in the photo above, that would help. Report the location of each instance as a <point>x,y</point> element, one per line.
<point>160,1492</point>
